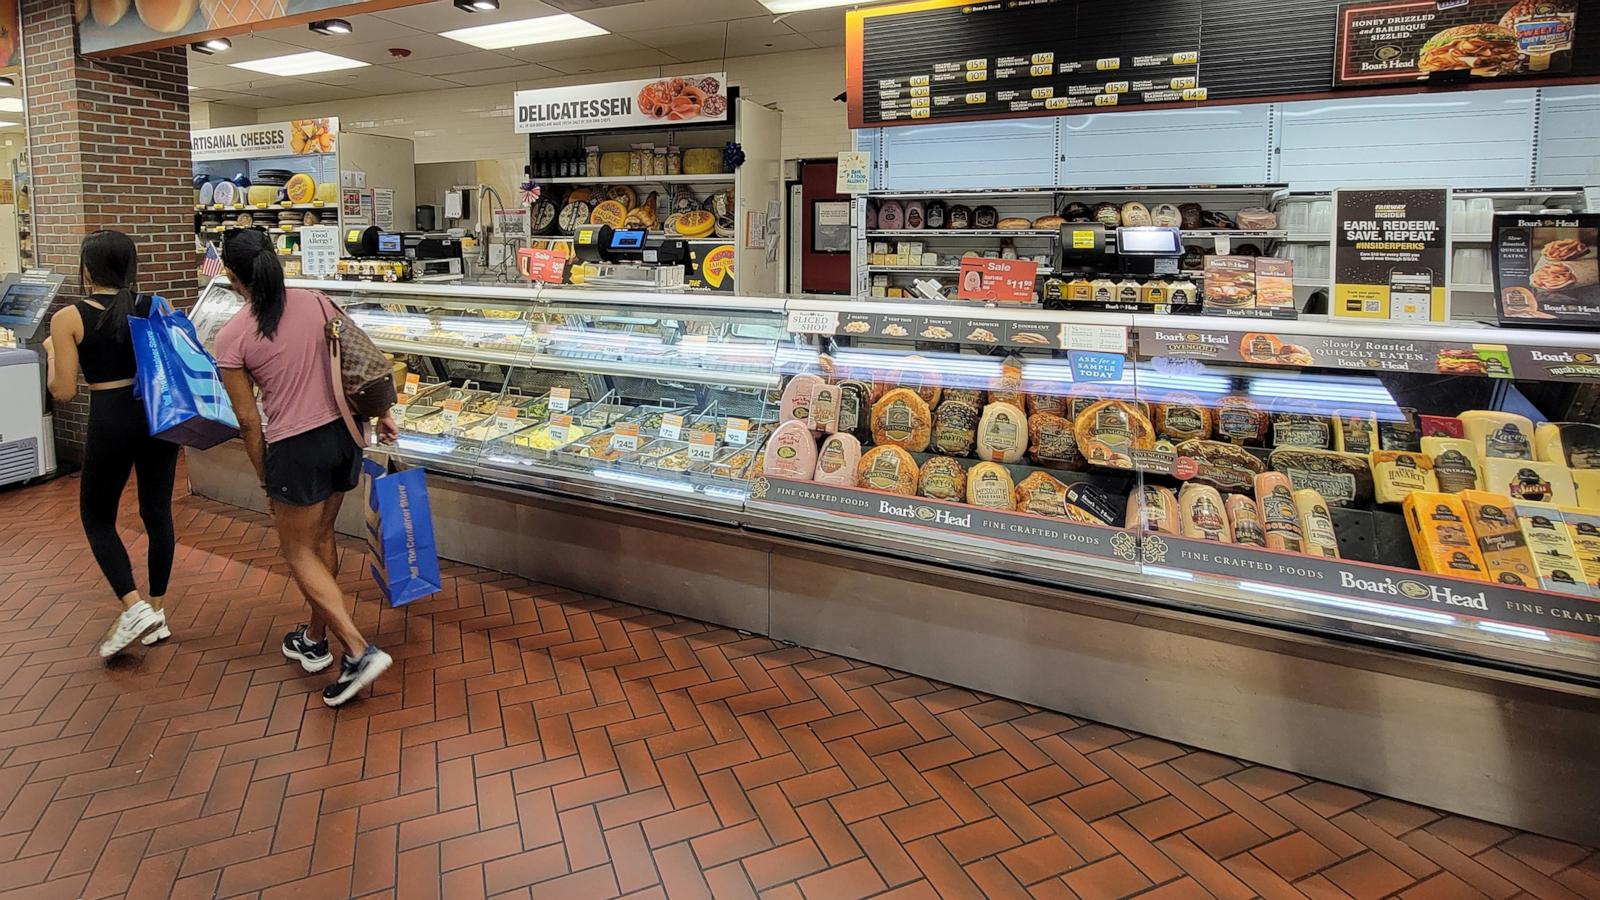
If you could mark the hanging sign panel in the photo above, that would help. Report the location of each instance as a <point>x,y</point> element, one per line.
<point>651,102</point>
<point>1401,41</point>
<point>111,28</point>
<point>301,137</point>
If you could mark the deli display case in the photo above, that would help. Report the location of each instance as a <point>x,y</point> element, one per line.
<point>1051,505</point>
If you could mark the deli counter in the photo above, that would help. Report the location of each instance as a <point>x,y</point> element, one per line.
<point>1320,534</point>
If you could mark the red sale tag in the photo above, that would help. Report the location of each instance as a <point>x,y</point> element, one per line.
<point>997,280</point>
<point>548,266</point>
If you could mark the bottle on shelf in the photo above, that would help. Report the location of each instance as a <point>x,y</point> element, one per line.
<point>540,170</point>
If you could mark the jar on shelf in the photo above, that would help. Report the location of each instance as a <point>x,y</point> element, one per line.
<point>674,160</point>
<point>658,161</point>
<point>591,157</point>
<point>636,160</point>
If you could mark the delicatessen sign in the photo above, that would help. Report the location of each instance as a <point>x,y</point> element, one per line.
<point>1399,41</point>
<point>679,100</point>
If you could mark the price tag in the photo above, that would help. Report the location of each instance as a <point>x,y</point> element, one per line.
<point>413,383</point>
<point>1186,59</point>
<point>738,431</point>
<point>702,446</point>
<point>1044,93</point>
<point>1195,94</point>
<point>1117,87</point>
<point>1042,70</point>
<point>452,411</point>
<point>672,427</point>
<point>560,429</point>
<point>1110,64</point>
<point>813,321</point>
<point>625,439</point>
<point>1105,100</point>
<point>561,399</point>
<point>505,419</point>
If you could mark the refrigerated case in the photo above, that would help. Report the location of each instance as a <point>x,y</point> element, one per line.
<point>1011,459</point>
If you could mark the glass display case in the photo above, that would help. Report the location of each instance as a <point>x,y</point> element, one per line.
<point>1430,487</point>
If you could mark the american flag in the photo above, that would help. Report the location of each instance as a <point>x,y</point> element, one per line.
<point>212,267</point>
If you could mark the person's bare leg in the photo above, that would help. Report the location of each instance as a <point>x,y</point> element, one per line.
<point>328,552</point>
<point>299,540</point>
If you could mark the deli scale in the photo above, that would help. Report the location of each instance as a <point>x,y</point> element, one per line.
<point>632,258</point>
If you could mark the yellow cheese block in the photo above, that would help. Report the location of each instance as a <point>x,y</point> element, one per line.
<point>1587,484</point>
<point>1526,480</point>
<point>301,188</point>
<point>1355,431</point>
<point>1498,435</point>
<point>1555,558</point>
<point>700,161</point>
<point>1456,465</point>
<point>1396,473</point>
<point>1584,528</point>
<point>1317,524</point>
<point>1494,527</point>
<point>614,164</point>
<point>328,192</point>
<point>1572,444</point>
<point>261,194</point>
<point>1441,536</point>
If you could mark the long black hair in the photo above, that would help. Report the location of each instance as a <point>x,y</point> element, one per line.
<point>109,259</point>
<point>253,260</point>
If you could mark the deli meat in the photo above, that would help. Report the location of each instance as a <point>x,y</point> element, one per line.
<point>838,460</point>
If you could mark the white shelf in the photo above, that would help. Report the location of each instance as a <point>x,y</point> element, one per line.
<point>1307,237</point>
<point>1471,238</point>
<point>931,270</point>
<point>639,179</point>
<point>559,363</point>
<point>964,232</point>
<point>1473,288</point>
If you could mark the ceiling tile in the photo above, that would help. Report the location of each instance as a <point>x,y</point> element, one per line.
<point>422,46</point>
<point>378,81</point>
<point>816,20</point>
<point>527,72</point>
<point>667,13</point>
<point>470,61</point>
<point>644,58</point>
<point>441,16</point>
<point>827,38</point>
<point>589,46</point>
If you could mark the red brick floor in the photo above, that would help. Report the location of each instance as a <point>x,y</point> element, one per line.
<point>532,742</point>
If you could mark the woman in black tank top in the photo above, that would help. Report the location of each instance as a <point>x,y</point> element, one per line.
<point>92,335</point>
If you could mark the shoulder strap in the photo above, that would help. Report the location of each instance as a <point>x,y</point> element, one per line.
<point>336,371</point>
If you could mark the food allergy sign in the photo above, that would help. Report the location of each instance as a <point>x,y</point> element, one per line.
<point>1398,41</point>
<point>1390,254</point>
<point>655,102</point>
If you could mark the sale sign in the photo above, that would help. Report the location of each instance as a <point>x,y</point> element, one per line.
<point>546,265</point>
<point>997,280</point>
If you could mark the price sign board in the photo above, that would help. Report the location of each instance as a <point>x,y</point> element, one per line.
<point>547,266</point>
<point>672,426</point>
<point>625,438</point>
<point>560,429</point>
<point>738,431</point>
<point>702,446</point>
<point>997,280</point>
<point>560,399</point>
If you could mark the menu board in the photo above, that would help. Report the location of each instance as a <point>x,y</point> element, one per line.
<point>954,59</point>
<point>1400,41</point>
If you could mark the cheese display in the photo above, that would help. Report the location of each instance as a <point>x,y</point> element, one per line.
<point>1244,517</point>
<point>1396,473</point>
<point>1316,524</point>
<point>1052,442</point>
<point>1041,495</point>
<point>901,419</point>
<point>1493,521</point>
<point>1152,508</point>
<point>1202,514</point>
<point>1280,517</point>
<point>791,452</point>
<point>955,428</point>
<point>1498,435</point>
<point>1110,430</point>
<point>1526,480</point>
<point>989,485</point>
<point>1441,536</point>
<point>888,469</point>
<point>1355,431</point>
<point>942,478</point>
<point>1575,445</point>
<point>1455,464</point>
<point>837,460</point>
<point>1555,557</point>
<point>796,402</point>
<point>1002,433</point>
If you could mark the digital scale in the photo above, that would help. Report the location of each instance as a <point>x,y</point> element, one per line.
<point>632,257</point>
<point>378,255</point>
<point>27,432</point>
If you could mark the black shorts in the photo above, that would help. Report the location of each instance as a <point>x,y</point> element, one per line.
<point>312,466</point>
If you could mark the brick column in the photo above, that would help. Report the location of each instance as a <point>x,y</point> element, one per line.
<point>109,147</point>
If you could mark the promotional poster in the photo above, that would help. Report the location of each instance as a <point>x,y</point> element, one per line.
<point>1390,42</point>
<point>1547,268</point>
<point>681,100</point>
<point>1391,254</point>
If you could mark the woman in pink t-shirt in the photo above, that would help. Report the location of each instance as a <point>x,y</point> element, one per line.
<point>305,457</point>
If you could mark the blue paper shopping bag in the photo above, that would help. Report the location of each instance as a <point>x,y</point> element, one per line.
<point>178,381</point>
<point>405,561</point>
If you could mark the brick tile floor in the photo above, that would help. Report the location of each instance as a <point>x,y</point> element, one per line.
<point>536,743</point>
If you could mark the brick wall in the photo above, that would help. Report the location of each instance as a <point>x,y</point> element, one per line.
<point>109,141</point>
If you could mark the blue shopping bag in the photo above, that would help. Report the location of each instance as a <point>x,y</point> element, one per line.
<point>178,381</point>
<point>405,560</point>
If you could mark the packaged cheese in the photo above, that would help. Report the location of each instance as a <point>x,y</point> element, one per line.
<point>796,402</point>
<point>791,452</point>
<point>838,460</point>
<point>1041,495</point>
<point>1401,433</point>
<point>1584,528</point>
<point>888,469</point>
<point>1280,519</point>
<point>1110,430</point>
<point>825,408</point>
<point>1586,482</point>
<point>942,478</point>
<point>989,485</point>
<point>1002,433</point>
<point>1555,557</point>
<point>1455,464</point>
<point>1498,435</point>
<point>1441,426</point>
<point>1154,509</point>
<point>1202,514</point>
<point>1245,519</point>
<point>1396,473</point>
<point>1355,431</point>
<point>855,410</point>
<point>1316,524</point>
<point>1575,445</point>
<point>1493,521</point>
<point>1526,480</point>
<point>1441,536</point>
<point>1052,442</point>
<point>955,428</point>
<point>901,419</point>
<point>1183,417</point>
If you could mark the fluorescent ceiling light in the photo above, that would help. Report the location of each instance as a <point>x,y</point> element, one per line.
<point>9,124</point>
<point>10,104</point>
<point>778,7</point>
<point>308,63</point>
<point>524,32</point>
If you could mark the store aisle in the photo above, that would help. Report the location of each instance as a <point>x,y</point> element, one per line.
<point>532,738</point>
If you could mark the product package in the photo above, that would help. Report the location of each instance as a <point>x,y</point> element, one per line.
<point>1555,557</point>
<point>1441,535</point>
<point>1547,269</point>
<point>1493,520</point>
<point>1275,286</point>
<point>1230,284</point>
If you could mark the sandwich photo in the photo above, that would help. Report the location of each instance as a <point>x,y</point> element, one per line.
<point>1486,50</point>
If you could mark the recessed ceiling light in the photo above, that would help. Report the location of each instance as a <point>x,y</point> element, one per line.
<point>9,124</point>
<point>214,45</point>
<point>6,81</point>
<point>477,5</point>
<point>10,104</point>
<point>308,63</point>
<point>778,7</point>
<point>331,26</point>
<point>524,32</point>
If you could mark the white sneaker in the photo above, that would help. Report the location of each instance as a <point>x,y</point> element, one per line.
<point>133,623</point>
<point>159,633</point>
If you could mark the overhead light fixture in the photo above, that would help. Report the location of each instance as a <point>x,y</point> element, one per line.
<point>9,124</point>
<point>477,5</point>
<point>524,32</point>
<point>332,26</point>
<point>6,81</point>
<point>214,45</point>
<point>781,7</point>
<point>10,104</point>
<point>308,63</point>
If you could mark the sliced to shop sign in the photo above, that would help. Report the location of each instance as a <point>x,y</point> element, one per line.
<point>650,102</point>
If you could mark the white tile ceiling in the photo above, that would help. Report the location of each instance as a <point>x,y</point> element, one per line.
<point>643,34</point>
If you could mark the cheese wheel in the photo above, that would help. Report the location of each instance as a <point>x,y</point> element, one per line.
<point>796,402</point>
<point>1002,433</point>
<point>901,419</point>
<point>623,194</point>
<point>696,223</point>
<point>1498,435</point>
<point>698,161</point>
<point>942,478</point>
<point>989,485</point>
<point>888,469</point>
<point>1110,430</point>
<point>609,212</point>
<point>1153,509</point>
<point>1280,518</point>
<point>838,460</point>
<point>301,188</point>
<point>614,163</point>
<point>1041,495</point>
<point>1202,515</point>
<point>1316,521</point>
<point>791,452</point>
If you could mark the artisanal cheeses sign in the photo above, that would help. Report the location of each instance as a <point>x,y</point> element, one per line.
<point>652,102</point>
<point>301,137</point>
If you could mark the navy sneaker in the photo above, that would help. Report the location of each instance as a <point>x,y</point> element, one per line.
<point>355,675</point>
<point>313,657</point>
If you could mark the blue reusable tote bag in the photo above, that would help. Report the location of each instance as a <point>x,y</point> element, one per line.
<point>178,380</point>
<point>405,560</point>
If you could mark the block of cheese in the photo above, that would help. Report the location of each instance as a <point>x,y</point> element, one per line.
<point>1498,435</point>
<point>1153,508</point>
<point>1396,473</point>
<point>1355,431</point>
<point>1316,524</point>
<point>901,419</point>
<point>1441,536</point>
<point>791,452</point>
<point>1524,479</point>
<point>796,402</point>
<point>838,460</point>
<point>1041,495</point>
<point>1280,519</point>
<point>1575,445</point>
<point>942,478</point>
<point>1202,515</point>
<point>1584,527</point>
<point>1245,518</point>
<point>1002,433</point>
<point>1587,484</point>
<point>989,485</point>
<point>1108,431</point>
<point>1455,464</point>
<point>1493,521</point>
<point>1555,557</point>
<point>887,469</point>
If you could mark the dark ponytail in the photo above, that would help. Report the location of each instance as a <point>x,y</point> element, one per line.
<point>109,259</point>
<point>253,260</point>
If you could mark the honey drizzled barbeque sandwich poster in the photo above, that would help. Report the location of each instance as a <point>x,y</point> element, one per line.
<point>1401,41</point>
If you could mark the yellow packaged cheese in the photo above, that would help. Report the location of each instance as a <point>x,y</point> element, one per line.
<point>1456,465</point>
<point>1498,435</point>
<point>1493,521</point>
<point>1584,528</point>
<point>1524,479</point>
<point>1586,482</point>
<point>1396,473</point>
<point>1355,431</point>
<point>1441,536</point>
<point>1555,558</point>
<point>1572,444</point>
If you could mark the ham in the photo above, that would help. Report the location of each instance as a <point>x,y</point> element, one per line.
<point>791,452</point>
<point>837,460</point>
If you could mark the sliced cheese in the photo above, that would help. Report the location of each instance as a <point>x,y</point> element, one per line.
<point>1555,557</point>
<point>1441,536</point>
<point>1396,473</point>
<point>1526,480</point>
<point>1316,521</point>
<point>1456,465</point>
<point>989,485</point>
<point>1498,435</point>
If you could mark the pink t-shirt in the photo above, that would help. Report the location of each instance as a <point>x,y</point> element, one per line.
<point>291,369</point>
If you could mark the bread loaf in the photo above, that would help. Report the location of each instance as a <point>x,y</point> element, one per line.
<point>1182,417</point>
<point>942,478</point>
<point>1245,519</point>
<point>1052,442</point>
<point>888,469</point>
<point>1202,514</point>
<point>1048,223</point>
<point>1109,431</point>
<point>1343,479</point>
<point>1002,433</point>
<point>838,460</point>
<point>1256,218</point>
<point>989,485</point>
<point>1041,495</point>
<point>791,452</point>
<point>1154,509</point>
<point>1280,519</point>
<point>1014,223</point>
<point>955,428</point>
<point>901,419</point>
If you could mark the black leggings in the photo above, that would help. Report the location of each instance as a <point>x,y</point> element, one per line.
<point>119,442</point>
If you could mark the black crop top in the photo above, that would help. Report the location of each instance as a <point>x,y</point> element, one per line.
<point>101,356</point>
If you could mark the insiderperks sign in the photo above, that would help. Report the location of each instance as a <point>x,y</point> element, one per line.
<point>683,99</point>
